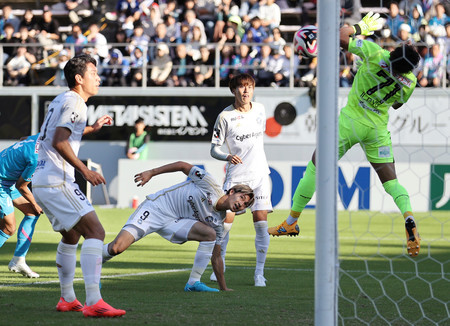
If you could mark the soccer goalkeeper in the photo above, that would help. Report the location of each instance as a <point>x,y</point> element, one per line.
<point>384,79</point>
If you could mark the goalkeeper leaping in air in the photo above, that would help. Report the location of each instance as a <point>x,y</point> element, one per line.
<point>384,79</point>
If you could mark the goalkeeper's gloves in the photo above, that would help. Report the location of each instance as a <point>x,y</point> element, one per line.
<point>370,23</point>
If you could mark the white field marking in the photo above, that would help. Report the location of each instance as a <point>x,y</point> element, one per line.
<point>304,270</point>
<point>250,236</point>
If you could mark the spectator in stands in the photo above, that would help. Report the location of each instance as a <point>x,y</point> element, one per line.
<point>128,26</point>
<point>115,69</point>
<point>77,38</point>
<point>9,38</point>
<point>433,69</point>
<point>137,147</point>
<point>48,27</point>
<point>195,43</point>
<point>406,7</point>
<point>204,68</point>
<point>350,11</point>
<point>60,78</point>
<point>394,20</point>
<point>159,37</point>
<point>276,66</point>
<point>29,21</point>
<point>270,14</point>
<point>170,7</point>
<point>151,21</point>
<point>263,75</point>
<point>173,27</point>
<point>127,8</point>
<point>248,10</point>
<point>236,23</point>
<point>282,78</point>
<point>224,10</point>
<point>206,12</point>
<point>230,37</point>
<point>191,20</point>
<point>277,40</point>
<point>415,20</point>
<point>307,72</point>
<point>121,37</point>
<point>425,37</point>
<point>256,33</point>
<point>8,18</point>
<point>77,9</point>
<point>32,53</point>
<point>182,72</point>
<point>226,61</point>
<point>437,23</point>
<point>242,61</point>
<point>188,5</point>
<point>136,67</point>
<point>138,38</point>
<point>161,66</point>
<point>17,69</point>
<point>98,40</point>
<point>404,33</point>
<point>429,8</point>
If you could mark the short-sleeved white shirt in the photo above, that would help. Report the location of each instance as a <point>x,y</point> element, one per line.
<point>195,198</point>
<point>243,135</point>
<point>70,111</point>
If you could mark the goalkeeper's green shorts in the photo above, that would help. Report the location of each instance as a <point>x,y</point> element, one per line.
<point>375,142</point>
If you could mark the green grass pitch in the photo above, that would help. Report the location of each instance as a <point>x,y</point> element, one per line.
<point>379,284</point>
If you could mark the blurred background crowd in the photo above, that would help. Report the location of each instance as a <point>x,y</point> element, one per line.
<point>181,43</point>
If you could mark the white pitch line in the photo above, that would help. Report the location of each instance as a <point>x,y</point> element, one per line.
<point>309,270</point>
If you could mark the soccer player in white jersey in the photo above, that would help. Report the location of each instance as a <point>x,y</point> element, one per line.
<point>193,210</point>
<point>55,190</point>
<point>240,129</point>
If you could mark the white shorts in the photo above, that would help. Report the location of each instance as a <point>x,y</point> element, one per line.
<point>262,188</point>
<point>64,205</point>
<point>149,218</point>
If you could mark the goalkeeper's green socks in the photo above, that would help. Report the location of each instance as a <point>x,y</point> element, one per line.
<point>400,196</point>
<point>303,194</point>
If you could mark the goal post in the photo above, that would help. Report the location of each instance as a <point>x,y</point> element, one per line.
<point>326,262</point>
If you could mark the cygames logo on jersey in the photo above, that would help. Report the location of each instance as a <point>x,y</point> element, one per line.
<point>440,187</point>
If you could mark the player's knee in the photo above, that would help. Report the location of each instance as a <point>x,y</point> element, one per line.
<point>9,230</point>
<point>116,248</point>
<point>210,235</point>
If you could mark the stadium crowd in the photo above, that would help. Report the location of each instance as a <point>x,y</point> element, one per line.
<point>202,42</point>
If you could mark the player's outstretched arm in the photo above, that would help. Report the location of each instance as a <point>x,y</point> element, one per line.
<point>144,177</point>
<point>217,265</point>
<point>104,120</point>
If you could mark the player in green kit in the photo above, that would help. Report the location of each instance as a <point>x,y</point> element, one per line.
<point>384,79</point>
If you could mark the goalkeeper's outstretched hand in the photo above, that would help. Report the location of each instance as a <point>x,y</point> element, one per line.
<point>370,23</point>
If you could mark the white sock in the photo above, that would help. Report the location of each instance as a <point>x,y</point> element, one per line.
<point>291,220</point>
<point>224,244</point>
<point>66,260</point>
<point>201,260</point>
<point>91,266</point>
<point>262,240</point>
<point>105,253</point>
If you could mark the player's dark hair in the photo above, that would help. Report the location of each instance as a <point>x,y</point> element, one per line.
<point>404,58</point>
<point>77,66</point>
<point>245,190</point>
<point>240,80</point>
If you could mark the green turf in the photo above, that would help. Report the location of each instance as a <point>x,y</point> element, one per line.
<point>379,284</point>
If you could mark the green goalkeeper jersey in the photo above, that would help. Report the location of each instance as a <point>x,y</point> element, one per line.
<point>374,88</point>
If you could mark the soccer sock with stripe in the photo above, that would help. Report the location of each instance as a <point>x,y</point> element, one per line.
<point>201,260</point>
<point>24,235</point>
<point>66,259</point>
<point>262,240</point>
<point>304,192</point>
<point>91,266</point>
<point>3,237</point>
<point>400,196</point>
